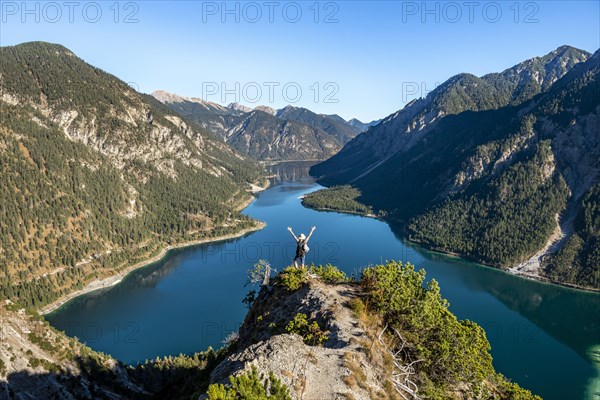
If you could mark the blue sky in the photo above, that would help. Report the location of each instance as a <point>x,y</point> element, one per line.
<point>354,58</point>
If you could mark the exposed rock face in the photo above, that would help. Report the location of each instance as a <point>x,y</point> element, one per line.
<point>330,371</point>
<point>166,97</point>
<point>115,120</point>
<point>334,125</point>
<point>267,109</point>
<point>265,137</point>
<point>292,133</point>
<point>238,107</point>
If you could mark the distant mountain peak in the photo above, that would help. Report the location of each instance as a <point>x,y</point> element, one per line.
<point>546,69</point>
<point>167,97</point>
<point>238,107</point>
<point>565,48</point>
<point>288,108</point>
<point>172,98</point>
<point>362,126</point>
<point>267,109</point>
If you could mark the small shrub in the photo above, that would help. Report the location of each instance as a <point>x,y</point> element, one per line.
<point>13,307</point>
<point>250,385</point>
<point>329,273</point>
<point>40,341</point>
<point>310,331</point>
<point>292,278</point>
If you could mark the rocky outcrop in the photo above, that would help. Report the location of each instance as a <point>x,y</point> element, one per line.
<point>350,364</point>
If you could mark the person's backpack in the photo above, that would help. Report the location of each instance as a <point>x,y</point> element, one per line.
<point>305,247</point>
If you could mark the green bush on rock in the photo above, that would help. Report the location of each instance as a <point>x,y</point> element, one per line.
<point>329,273</point>
<point>250,386</point>
<point>292,278</point>
<point>450,352</point>
<point>310,331</point>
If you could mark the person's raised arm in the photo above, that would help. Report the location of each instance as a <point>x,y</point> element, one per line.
<point>310,234</point>
<point>290,229</point>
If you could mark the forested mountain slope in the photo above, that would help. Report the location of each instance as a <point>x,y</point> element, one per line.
<point>491,185</point>
<point>96,176</point>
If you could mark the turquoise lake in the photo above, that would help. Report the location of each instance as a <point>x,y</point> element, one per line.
<point>544,337</point>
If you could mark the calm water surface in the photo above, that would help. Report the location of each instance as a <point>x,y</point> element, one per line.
<point>542,336</point>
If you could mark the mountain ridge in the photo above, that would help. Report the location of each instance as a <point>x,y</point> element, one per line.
<point>461,92</point>
<point>304,135</point>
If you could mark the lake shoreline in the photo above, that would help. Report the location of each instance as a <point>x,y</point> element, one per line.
<point>113,280</point>
<point>531,325</point>
<point>369,215</point>
<point>116,279</point>
<point>510,271</point>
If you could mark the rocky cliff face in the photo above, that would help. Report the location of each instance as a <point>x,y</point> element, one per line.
<point>266,137</point>
<point>105,114</point>
<point>334,125</point>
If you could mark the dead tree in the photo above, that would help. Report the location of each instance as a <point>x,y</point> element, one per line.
<point>403,373</point>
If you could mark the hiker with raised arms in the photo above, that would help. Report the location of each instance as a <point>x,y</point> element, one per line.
<point>301,246</point>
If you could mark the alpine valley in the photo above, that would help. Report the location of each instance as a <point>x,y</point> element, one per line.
<point>98,180</point>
